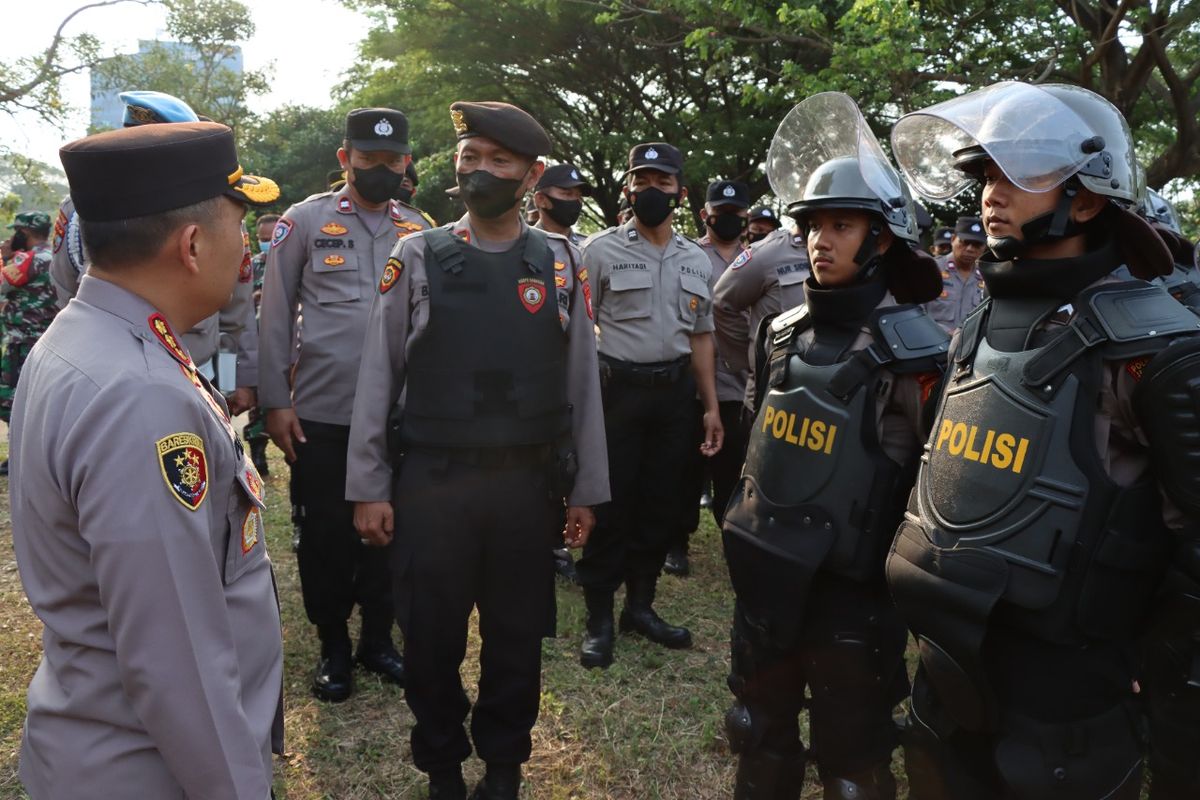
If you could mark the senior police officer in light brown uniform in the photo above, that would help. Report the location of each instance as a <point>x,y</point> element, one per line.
<point>480,353</point>
<point>766,279</point>
<point>653,299</point>
<point>327,255</point>
<point>962,283</point>
<point>137,517</point>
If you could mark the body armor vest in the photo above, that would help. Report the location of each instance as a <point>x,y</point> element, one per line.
<point>1184,285</point>
<point>1013,518</point>
<point>490,368</point>
<point>817,490</point>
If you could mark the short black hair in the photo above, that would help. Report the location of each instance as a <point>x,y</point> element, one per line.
<point>113,243</point>
<point>266,218</point>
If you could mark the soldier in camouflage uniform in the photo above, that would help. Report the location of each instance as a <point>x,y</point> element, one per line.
<point>30,299</point>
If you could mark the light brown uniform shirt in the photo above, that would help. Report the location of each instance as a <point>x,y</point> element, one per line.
<point>396,321</point>
<point>137,524</point>
<point>648,303</point>
<point>731,381</point>
<point>325,263</point>
<point>765,279</point>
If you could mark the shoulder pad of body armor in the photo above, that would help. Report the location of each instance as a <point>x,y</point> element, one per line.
<point>790,318</point>
<point>907,333</point>
<point>1135,310</point>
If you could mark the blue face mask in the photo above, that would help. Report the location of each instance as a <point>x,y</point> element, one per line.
<point>264,246</point>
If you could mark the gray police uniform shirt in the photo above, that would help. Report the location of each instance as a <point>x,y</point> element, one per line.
<point>400,314</point>
<point>326,259</point>
<point>70,263</point>
<point>138,528</point>
<point>767,278</point>
<point>731,382</point>
<point>647,302</point>
<point>573,236</point>
<point>960,295</point>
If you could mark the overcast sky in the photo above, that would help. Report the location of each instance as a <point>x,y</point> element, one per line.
<point>309,42</point>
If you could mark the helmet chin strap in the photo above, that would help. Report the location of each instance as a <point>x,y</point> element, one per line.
<point>1049,227</point>
<point>867,256</point>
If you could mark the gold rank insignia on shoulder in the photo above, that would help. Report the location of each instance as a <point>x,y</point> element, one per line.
<point>391,274</point>
<point>184,468</point>
<point>162,331</point>
<point>460,122</point>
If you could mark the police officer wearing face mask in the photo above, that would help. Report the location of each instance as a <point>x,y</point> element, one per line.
<point>651,289</point>
<point>725,218</point>
<point>1055,525</point>
<point>327,255</point>
<point>558,198</point>
<point>762,221</point>
<point>480,343</point>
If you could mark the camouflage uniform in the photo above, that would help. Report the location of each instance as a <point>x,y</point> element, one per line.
<point>30,308</point>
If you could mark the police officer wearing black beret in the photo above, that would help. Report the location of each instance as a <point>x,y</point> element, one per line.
<point>499,433</point>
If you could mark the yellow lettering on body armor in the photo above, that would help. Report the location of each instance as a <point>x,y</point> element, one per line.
<point>1002,451</point>
<point>815,435</point>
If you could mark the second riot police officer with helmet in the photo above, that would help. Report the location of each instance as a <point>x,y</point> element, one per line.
<point>832,456</point>
<point>1056,517</point>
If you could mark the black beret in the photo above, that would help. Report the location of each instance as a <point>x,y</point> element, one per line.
<point>377,129</point>
<point>970,229</point>
<point>149,169</point>
<point>655,155</point>
<point>565,176</point>
<point>764,214</point>
<point>505,124</point>
<point>728,193</point>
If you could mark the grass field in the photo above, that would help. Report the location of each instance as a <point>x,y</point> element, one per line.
<point>649,727</point>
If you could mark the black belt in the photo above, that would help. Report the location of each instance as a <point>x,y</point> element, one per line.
<point>504,456</point>
<point>659,373</point>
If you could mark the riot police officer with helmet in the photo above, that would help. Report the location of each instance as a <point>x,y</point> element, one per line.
<point>1056,519</point>
<point>832,455</point>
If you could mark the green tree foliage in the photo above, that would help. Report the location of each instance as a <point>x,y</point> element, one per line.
<point>33,83</point>
<point>193,66</point>
<point>716,76</point>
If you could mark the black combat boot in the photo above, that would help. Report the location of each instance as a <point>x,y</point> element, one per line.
<point>564,565</point>
<point>333,680</point>
<point>875,783</point>
<point>500,782</point>
<point>597,648</point>
<point>677,562</point>
<point>638,615</point>
<point>767,775</point>
<point>379,655</point>
<point>447,785</point>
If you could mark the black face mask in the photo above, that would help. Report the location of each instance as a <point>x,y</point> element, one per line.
<point>404,194</point>
<point>564,212</point>
<point>652,206</point>
<point>20,241</point>
<point>727,227</point>
<point>487,196</point>
<point>377,184</point>
<point>755,237</point>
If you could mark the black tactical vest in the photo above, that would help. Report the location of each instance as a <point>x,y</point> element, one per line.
<point>817,487</point>
<point>1014,519</point>
<point>490,368</point>
<point>1184,285</point>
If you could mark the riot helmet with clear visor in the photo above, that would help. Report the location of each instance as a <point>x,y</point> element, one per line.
<point>824,155</point>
